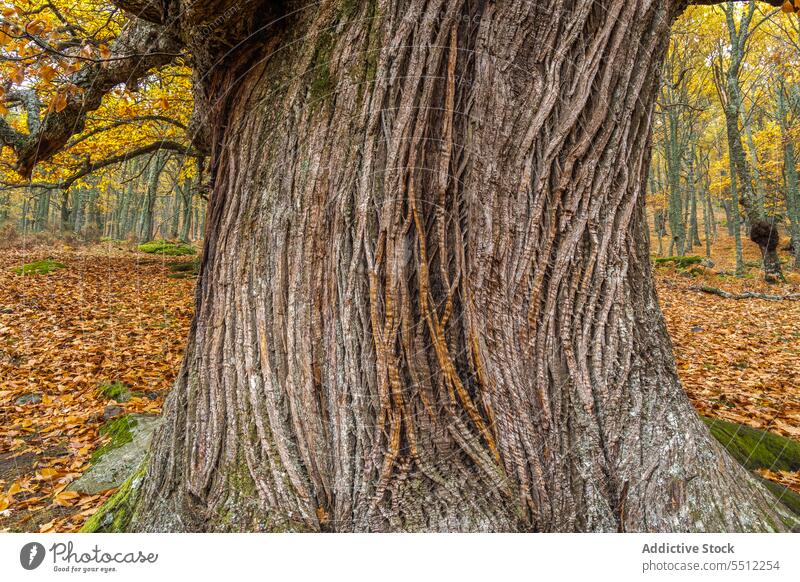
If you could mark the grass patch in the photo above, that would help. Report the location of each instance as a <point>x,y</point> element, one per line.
<point>118,432</point>
<point>679,262</point>
<point>42,267</point>
<point>165,247</point>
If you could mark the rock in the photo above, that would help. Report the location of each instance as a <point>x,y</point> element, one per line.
<point>113,467</point>
<point>697,329</point>
<point>28,399</point>
<point>708,263</point>
<point>112,411</point>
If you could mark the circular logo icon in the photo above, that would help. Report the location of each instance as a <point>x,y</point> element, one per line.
<point>31,555</point>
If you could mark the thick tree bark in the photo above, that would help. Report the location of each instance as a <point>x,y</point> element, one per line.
<point>426,301</point>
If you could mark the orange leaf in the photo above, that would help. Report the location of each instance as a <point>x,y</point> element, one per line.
<point>59,102</point>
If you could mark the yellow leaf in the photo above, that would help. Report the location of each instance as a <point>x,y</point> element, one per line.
<point>3,108</point>
<point>3,503</point>
<point>14,489</point>
<point>105,52</point>
<point>66,498</point>
<point>48,473</point>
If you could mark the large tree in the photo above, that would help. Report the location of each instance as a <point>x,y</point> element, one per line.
<point>426,301</point>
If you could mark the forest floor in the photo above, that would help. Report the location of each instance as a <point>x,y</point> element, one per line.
<point>117,315</point>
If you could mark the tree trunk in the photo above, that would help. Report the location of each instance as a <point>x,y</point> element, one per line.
<point>763,228</point>
<point>187,192</point>
<point>790,170</point>
<point>158,162</point>
<point>426,300</point>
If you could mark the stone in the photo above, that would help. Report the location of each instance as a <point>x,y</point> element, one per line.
<point>112,411</point>
<point>114,467</point>
<point>28,399</point>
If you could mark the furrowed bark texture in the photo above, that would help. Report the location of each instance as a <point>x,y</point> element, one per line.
<point>426,300</point>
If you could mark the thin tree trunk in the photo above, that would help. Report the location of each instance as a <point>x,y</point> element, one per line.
<point>427,303</point>
<point>790,169</point>
<point>694,232</point>
<point>157,164</point>
<point>763,229</point>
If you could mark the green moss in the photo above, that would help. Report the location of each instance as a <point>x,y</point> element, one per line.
<point>759,449</point>
<point>786,496</point>
<point>322,82</point>
<point>39,267</point>
<point>756,449</point>
<point>165,247</point>
<point>118,432</point>
<point>678,261</point>
<point>184,269</point>
<point>115,514</point>
<point>347,9</point>
<point>116,391</point>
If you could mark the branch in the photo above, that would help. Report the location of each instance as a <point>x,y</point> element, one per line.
<point>745,295</point>
<point>88,168</point>
<point>126,121</point>
<point>153,46</point>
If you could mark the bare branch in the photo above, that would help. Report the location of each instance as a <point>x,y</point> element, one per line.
<point>90,167</point>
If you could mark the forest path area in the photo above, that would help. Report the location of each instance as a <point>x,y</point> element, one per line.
<point>110,318</point>
<point>113,316</point>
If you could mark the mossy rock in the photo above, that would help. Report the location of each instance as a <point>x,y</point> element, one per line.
<point>115,514</point>
<point>129,438</point>
<point>42,267</point>
<point>759,449</point>
<point>116,391</point>
<point>118,431</point>
<point>184,269</point>
<point>786,496</point>
<point>679,261</point>
<point>113,241</point>
<point>169,248</point>
<point>756,449</point>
